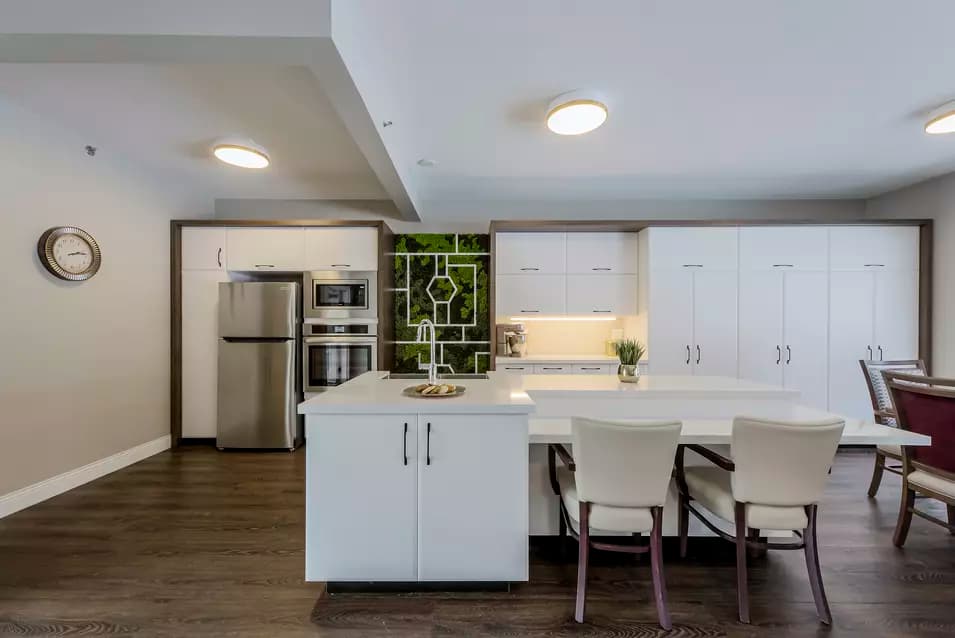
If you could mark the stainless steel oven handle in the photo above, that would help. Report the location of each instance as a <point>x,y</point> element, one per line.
<point>342,340</point>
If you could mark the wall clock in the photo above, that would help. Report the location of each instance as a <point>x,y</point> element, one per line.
<point>69,253</point>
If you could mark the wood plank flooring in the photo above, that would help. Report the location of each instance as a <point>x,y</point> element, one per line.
<point>200,543</point>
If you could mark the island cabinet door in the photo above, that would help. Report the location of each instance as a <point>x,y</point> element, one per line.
<point>472,497</point>
<point>361,518</point>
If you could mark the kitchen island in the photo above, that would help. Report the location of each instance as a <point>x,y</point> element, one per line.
<point>448,489</point>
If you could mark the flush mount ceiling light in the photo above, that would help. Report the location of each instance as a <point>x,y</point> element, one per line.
<point>241,152</point>
<point>575,113</point>
<point>942,120</point>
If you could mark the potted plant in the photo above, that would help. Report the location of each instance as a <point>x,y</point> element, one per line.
<point>630,351</point>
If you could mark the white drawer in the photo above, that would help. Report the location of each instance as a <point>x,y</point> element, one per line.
<point>553,368</point>
<point>591,368</point>
<point>512,368</point>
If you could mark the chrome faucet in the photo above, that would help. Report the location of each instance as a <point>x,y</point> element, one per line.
<point>424,326</point>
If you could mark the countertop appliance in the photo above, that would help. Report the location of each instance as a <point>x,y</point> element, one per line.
<point>335,351</point>
<point>258,365</point>
<point>511,340</point>
<point>341,294</point>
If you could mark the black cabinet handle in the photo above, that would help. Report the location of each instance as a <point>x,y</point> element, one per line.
<point>341,265</point>
<point>586,368</point>
<point>546,368</point>
<point>532,269</point>
<point>219,258</point>
<point>603,310</point>
<point>880,353</point>
<point>427,453</point>
<point>874,265</point>
<point>601,268</point>
<point>265,265</point>
<point>404,446</point>
<point>779,355</point>
<point>698,354</point>
<point>687,355</point>
<point>789,355</point>
<point>530,310</point>
<point>692,265</point>
<point>782,265</point>
<point>869,348</point>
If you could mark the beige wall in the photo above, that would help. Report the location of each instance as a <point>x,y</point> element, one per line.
<point>84,367</point>
<point>934,199</point>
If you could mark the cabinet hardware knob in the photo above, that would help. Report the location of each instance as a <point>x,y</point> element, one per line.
<point>219,258</point>
<point>427,453</point>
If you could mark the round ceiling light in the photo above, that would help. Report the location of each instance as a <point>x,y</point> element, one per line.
<point>241,152</point>
<point>942,120</point>
<point>575,113</point>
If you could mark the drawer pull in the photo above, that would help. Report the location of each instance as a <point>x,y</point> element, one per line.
<point>530,310</point>
<point>874,265</point>
<point>265,265</point>
<point>692,265</point>
<point>586,368</point>
<point>603,310</point>
<point>601,268</point>
<point>782,265</point>
<point>531,269</point>
<point>546,368</point>
<point>341,265</point>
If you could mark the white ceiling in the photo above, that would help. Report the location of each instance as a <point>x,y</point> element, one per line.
<point>167,116</point>
<point>729,99</point>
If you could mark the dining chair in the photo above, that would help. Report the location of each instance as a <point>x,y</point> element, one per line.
<point>883,412</point>
<point>925,405</point>
<point>773,482</point>
<point>616,482</point>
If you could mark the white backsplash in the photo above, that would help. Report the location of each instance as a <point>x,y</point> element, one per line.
<point>578,337</point>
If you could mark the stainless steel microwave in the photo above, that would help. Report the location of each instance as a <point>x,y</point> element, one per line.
<point>334,294</point>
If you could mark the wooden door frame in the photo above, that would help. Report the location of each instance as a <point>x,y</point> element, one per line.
<point>926,247</point>
<point>386,246</point>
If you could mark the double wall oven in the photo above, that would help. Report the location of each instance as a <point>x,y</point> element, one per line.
<point>340,334</point>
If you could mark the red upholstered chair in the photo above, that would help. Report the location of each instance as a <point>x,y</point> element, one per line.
<point>883,413</point>
<point>925,405</point>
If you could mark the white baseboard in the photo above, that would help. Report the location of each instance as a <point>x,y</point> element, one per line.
<point>39,492</point>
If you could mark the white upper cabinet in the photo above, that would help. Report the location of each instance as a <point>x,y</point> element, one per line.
<point>266,249</point>
<point>614,295</point>
<point>874,247</point>
<point>713,248</point>
<point>203,248</point>
<point>784,247</point>
<point>595,253</point>
<point>341,249</point>
<point>531,253</point>
<point>531,295</point>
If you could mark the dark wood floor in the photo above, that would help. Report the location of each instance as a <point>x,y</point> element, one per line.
<point>200,543</point>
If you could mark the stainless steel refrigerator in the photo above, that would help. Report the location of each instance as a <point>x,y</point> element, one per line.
<point>259,347</point>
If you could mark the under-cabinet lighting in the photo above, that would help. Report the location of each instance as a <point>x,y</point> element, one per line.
<point>564,318</point>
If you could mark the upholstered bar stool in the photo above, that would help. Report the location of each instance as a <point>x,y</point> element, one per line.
<point>884,414</point>
<point>616,482</point>
<point>773,482</point>
<point>925,405</point>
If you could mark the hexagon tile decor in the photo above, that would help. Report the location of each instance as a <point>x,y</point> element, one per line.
<point>443,278</point>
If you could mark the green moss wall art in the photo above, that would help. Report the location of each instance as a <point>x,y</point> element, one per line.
<point>443,278</point>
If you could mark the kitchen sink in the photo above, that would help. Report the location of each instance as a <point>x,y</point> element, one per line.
<point>424,377</point>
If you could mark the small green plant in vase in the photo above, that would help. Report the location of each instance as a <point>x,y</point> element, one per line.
<point>630,351</point>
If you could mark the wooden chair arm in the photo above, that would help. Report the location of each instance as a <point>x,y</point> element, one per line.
<point>713,457</point>
<point>553,451</point>
<point>564,455</point>
<point>882,415</point>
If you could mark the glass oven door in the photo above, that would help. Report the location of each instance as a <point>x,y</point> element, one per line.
<point>331,293</point>
<point>331,361</point>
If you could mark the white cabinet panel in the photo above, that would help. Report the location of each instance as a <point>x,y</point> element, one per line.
<point>200,347</point>
<point>896,315</point>
<point>362,506</point>
<point>806,340</point>
<point>203,248</point>
<point>530,295</point>
<point>761,326</point>
<point>581,368</point>
<point>266,249</point>
<point>889,247</point>
<point>472,498</point>
<point>341,249</point>
<point>554,368</point>
<point>602,294</point>
<point>589,253</point>
<point>530,253</point>
<point>671,321</point>
<point>851,326</point>
<point>769,247</point>
<point>705,247</point>
<point>714,323</point>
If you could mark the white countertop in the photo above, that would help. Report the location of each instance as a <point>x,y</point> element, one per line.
<point>649,386</point>
<point>370,393</point>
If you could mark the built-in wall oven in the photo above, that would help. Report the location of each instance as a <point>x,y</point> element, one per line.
<point>335,352</point>
<point>341,294</point>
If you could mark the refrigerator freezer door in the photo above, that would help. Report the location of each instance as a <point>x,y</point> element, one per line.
<point>258,309</point>
<point>257,394</point>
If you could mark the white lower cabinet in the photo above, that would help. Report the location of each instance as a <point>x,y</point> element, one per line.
<point>416,498</point>
<point>200,347</point>
<point>472,498</point>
